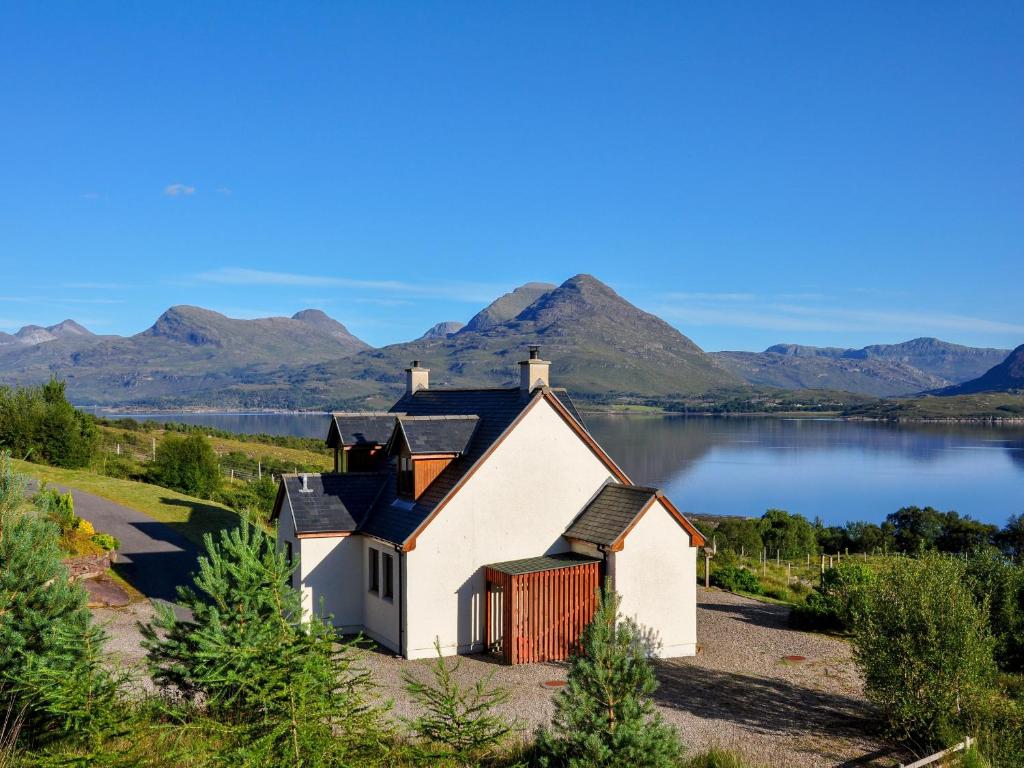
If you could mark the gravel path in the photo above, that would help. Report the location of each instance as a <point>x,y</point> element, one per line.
<point>738,692</point>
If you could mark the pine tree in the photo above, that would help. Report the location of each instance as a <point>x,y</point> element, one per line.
<point>286,691</point>
<point>50,653</point>
<point>605,716</point>
<point>458,719</point>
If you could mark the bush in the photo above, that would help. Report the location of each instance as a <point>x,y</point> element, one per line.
<point>738,535</point>
<point>735,579</point>
<point>924,649</point>
<point>716,758</point>
<point>84,528</point>
<point>839,602</point>
<point>186,464</point>
<point>605,716</point>
<point>106,541</point>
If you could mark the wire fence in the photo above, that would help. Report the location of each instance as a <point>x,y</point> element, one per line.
<point>232,469</point>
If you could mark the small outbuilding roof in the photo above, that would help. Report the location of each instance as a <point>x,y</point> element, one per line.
<point>542,563</point>
<point>611,514</point>
<point>364,429</point>
<point>438,434</point>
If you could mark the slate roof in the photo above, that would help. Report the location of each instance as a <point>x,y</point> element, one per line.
<point>367,428</point>
<point>335,503</point>
<point>543,563</point>
<point>438,434</point>
<point>610,513</point>
<point>463,421</point>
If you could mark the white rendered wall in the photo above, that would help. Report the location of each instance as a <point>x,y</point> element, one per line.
<point>516,505</point>
<point>380,614</point>
<point>656,575</point>
<point>330,569</point>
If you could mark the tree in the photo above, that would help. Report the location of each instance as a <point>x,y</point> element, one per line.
<point>790,535</point>
<point>605,716</point>
<point>738,535</point>
<point>39,423</point>
<point>460,720</point>
<point>964,534</point>
<point>287,692</point>
<point>925,651</point>
<point>50,653</point>
<point>187,464</point>
<point>1011,538</point>
<point>840,601</point>
<point>915,529</point>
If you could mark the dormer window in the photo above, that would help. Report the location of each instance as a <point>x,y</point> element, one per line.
<point>406,481</point>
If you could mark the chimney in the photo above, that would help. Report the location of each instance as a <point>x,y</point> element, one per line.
<point>305,484</point>
<point>533,372</point>
<point>416,378</point>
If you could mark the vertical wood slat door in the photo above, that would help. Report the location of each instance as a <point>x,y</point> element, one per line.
<point>543,613</point>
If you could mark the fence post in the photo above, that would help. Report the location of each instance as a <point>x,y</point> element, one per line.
<point>707,569</point>
<point>259,470</point>
<point>778,557</point>
<point>823,562</point>
<point>154,449</point>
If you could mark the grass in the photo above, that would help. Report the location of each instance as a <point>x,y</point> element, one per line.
<point>189,516</point>
<point>136,442</point>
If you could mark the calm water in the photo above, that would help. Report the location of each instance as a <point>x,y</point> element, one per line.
<point>838,470</point>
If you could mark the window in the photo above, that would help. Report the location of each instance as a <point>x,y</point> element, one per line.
<point>389,580</point>
<point>374,571</point>
<point>405,478</point>
<point>289,558</point>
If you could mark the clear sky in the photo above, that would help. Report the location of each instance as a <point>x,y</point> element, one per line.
<point>814,172</point>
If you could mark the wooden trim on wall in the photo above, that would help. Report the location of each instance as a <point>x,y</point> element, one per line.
<point>324,535</point>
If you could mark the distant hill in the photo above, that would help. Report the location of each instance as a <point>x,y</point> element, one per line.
<point>442,330</point>
<point>882,370</point>
<point>1005,377</point>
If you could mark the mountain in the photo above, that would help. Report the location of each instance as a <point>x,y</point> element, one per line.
<point>600,345</point>
<point>69,329</point>
<point>187,357</point>
<point>882,370</point>
<point>34,334</point>
<point>1007,375</point>
<point>442,330</point>
<point>507,307</point>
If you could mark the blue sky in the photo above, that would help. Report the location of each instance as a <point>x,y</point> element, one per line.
<point>754,172</point>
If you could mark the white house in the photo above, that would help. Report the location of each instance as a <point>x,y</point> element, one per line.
<point>484,518</point>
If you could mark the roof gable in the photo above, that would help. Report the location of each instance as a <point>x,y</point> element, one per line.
<point>365,428</point>
<point>438,434</point>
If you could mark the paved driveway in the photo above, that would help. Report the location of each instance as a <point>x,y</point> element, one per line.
<point>153,557</point>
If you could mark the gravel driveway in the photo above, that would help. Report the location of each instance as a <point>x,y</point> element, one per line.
<point>738,692</point>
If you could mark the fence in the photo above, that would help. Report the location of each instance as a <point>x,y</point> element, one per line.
<point>232,470</point>
<point>963,746</point>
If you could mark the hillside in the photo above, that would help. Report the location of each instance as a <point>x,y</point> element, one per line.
<point>1007,376</point>
<point>881,370</point>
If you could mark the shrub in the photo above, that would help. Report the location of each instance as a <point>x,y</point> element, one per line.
<point>60,507</point>
<point>1001,585</point>
<point>186,464</point>
<point>716,758</point>
<point>735,579</point>
<point>924,649</point>
<point>84,528</point>
<point>460,720</point>
<point>840,601</point>
<point>605,716</point>
<point>106,541</point>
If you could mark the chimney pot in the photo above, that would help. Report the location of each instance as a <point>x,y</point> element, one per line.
<point>534,352</point>
<point>305,484</point>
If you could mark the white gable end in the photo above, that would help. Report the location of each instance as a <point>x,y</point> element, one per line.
<point>515,505</point>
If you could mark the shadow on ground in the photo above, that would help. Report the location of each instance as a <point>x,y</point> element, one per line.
<point>760,614</point>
